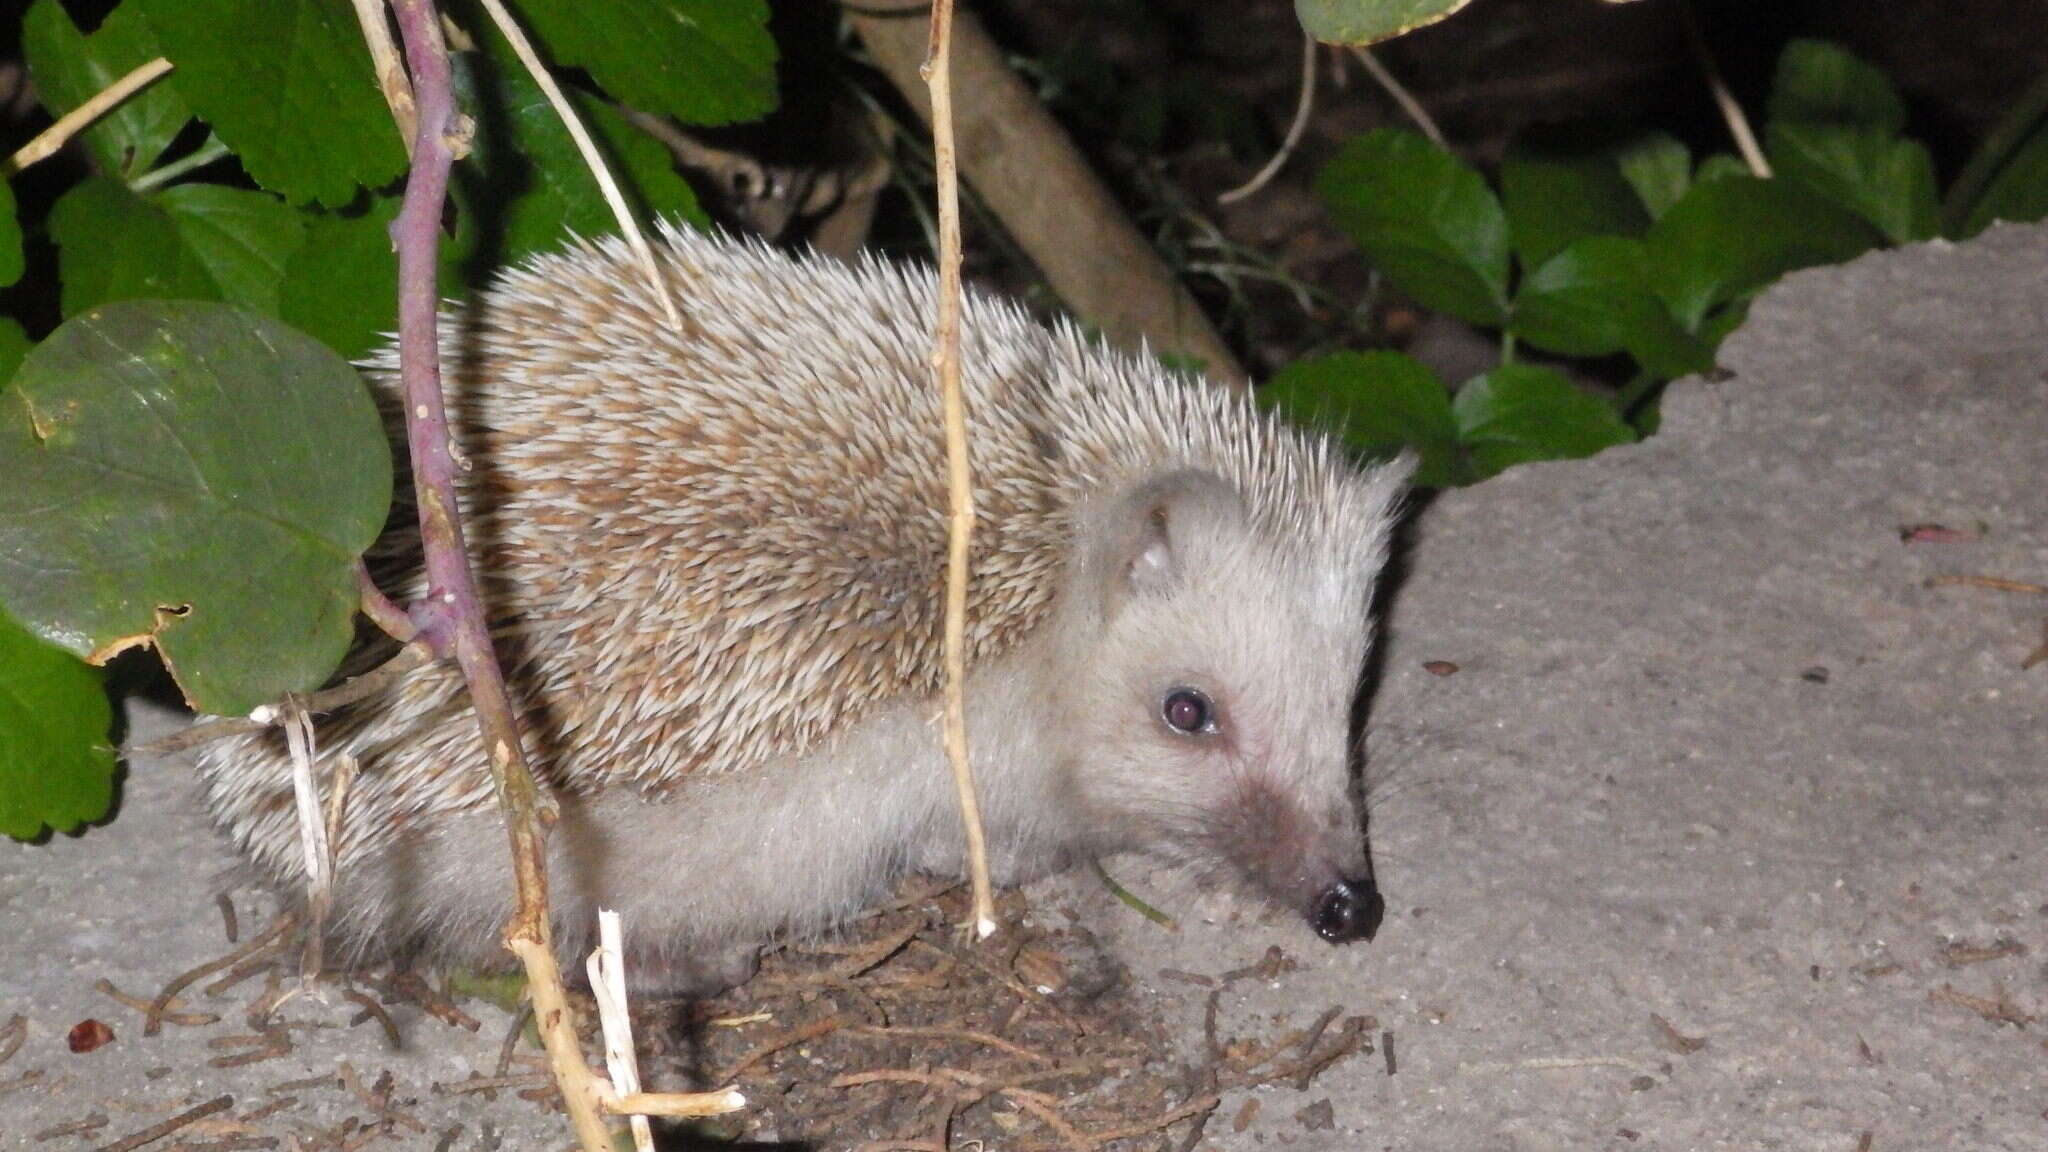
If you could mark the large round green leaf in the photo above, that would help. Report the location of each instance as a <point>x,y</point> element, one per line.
<point>56,762</point>
<point>1369,21</point>
<point>194,476</point>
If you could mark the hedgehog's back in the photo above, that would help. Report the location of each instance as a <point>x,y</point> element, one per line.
<point>708,547</point>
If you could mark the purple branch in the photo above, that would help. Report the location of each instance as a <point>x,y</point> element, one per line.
<point>417,236</point>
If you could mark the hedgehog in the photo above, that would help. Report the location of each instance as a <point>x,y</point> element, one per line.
<point>713,554</point>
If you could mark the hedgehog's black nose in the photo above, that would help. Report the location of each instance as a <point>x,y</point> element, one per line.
<point>1348,910</point>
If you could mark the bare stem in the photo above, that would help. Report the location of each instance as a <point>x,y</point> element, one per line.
<point>391,78</point>
<point>592,159</point>
<point>1738,123</point>
<point>1406,99</point>
<point>1304,107</point>
<point>959,481</point>
<point>50,139</point>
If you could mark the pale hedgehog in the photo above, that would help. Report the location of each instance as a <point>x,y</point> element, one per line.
<point>715,557</point>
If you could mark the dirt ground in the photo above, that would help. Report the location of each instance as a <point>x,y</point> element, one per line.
<point>1709,808</point>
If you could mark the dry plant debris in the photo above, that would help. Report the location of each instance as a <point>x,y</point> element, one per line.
<point>894,1033</point>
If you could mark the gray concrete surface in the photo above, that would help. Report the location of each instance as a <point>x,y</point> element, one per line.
<point>1713,756</point>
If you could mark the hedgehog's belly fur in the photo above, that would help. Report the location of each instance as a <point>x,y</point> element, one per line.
<point>716,866</point>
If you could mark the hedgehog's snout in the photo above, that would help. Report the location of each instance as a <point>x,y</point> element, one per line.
<point>1350,909</point>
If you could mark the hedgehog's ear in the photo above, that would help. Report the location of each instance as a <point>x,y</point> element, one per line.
<point>1152,532</point>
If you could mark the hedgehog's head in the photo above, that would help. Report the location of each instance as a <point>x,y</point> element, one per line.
<point>1217,650</point>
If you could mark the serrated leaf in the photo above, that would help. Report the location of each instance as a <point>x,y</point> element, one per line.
<point>1553,199</point>
<point>1377,403</point>
<point>286,84</point>
<point>190,242</point>
<point>701,61</point>
<point>1362,22</point>
<point>528,184</point>
<point>1823,83</point>
<point>1731,236</point>
<point>195,476</point>
<point>10,237</point>
<point>1427,220</point>
<point>341,285</point>
<point>241,237</point>
<point>1595,298</point>
<point>56,760</point>
<point>70,68</point>
<point>1887,180</point>
<point>1658,167</point>
<point>1523,412</point>
<point>149,259</point>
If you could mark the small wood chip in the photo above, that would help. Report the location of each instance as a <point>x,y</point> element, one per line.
<point>1245,1115</point>
<point>157,1132</point>
<point>85,1127</point>
<point>1670,1037</point>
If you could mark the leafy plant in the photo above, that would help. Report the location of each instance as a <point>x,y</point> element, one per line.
<point>190,463</point>
<point>1629,250</point>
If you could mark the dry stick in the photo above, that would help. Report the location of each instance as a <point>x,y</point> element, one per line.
<point>50,139</point>
<point>1738,124</point>
<point>391,77</point>
<point>1394,88</point>
<point>592,159</point>
<point>1042,189</point>
<point>265,941</point>
<point>157,1132</point>
<point>1303,108</point>
<point>959,484</point>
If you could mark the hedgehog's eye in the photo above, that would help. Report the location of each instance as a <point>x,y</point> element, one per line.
<point>1186,710</point>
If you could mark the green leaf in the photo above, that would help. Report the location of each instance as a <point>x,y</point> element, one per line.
<point>1595,298</point>
<point>1554,199</point>
<point>14,344</point>
<point>1362,22</point>
<point>341,285</point>
<point>192,241</point>
<point>1377,403</point>
<point>1728,237</point>
<point>149,258</point>
<point>2007,178</point>
<point>70,68</point>
<point>527,184</point>
<point>56,761</point>
<point>1659,168</point>
<point>10,237</point>
<point>1823,83</point>
<point>194,476</point>
<point>1886,180</point>
<point>701,61</point>
<point>1426,219</point>
<point>241,237</point>
<point>287,84</point>
<point>1522,412</point>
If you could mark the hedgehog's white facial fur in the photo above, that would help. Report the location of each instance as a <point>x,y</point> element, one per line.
<point>1176,590</point>
<point>714,554</point>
